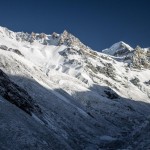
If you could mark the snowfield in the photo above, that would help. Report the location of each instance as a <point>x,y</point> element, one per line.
<point>57,93</point>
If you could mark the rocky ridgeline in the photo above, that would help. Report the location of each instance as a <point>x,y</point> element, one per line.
<point>65,38</point>
<point>41,38</point>
<point>55,39</point>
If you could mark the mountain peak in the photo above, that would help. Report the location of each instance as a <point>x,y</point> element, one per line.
<point>65,32</point>
<point>70,40</point>
<point>119,48</point>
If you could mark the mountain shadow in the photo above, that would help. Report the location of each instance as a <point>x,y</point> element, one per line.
<point>95,119</point>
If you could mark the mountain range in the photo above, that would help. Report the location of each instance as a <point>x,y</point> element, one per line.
<point>57,93</point>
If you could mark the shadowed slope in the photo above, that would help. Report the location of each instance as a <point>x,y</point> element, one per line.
<point>87,119</point>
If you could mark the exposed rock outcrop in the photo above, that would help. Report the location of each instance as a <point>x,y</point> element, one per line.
<point>16,95</point>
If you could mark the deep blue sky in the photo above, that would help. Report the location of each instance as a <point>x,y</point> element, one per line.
<point>97,23</point>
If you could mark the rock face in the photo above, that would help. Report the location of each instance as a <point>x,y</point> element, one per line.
<point>68,39</point>
<point>108,70</point>
<point>16,95</point>
<point>57,93</point>
<point>140,58</point>
<point>3,47</point>
<point>135,81</point>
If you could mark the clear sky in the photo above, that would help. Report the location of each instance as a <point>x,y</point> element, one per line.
<point>97,23</point>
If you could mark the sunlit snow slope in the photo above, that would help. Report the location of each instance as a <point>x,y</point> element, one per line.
<point>64,95</point>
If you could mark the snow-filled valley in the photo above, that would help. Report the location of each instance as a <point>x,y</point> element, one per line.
<point>57,93</point>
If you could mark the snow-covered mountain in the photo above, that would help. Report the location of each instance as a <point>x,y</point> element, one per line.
<point>57,93</point>
<point>118,49</point>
